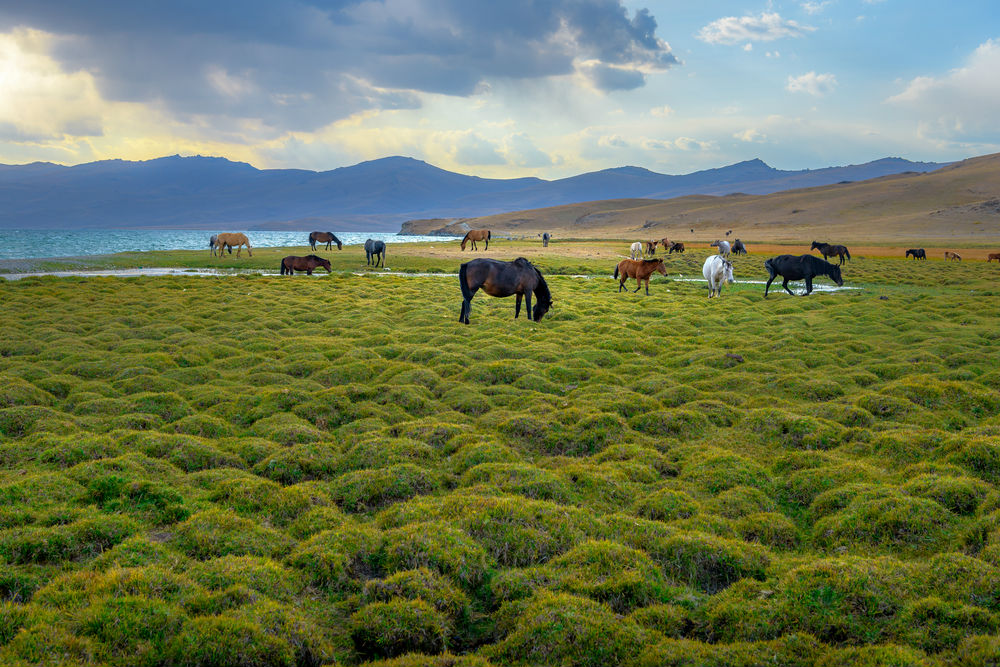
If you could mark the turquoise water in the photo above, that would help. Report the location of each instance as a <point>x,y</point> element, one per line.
<point>25,244</point>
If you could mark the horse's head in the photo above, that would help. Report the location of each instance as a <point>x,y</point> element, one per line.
<point>340,246</point>
<point>835,275</point>
<point>540,308</point>
<point>661,267</point>
<point>714,244</point>
<point>815,245</point>
<point>727,272</point>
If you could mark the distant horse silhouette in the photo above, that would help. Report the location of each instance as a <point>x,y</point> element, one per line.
<point>545,240</point>
<point>952,255</point>
<point>828,250</point>
<point>676,247</point>
<point>918,253</point>
<point>641,270</point>
<point>723,246</point>
<point>375,249</point>
<point>234,240</point>
<point>477,235</point>
<point>739,248</point>
<point>717,271</point>
<point>651,246</point>
<point>993,255</point>
<point>293,263</point>
<point>325,237</point>
<point>497,278</point>
<point>635,250</point>
<point>213,244</point>
<point>801,267</point>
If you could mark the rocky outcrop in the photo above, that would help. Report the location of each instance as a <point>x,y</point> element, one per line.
<point>434,227</point>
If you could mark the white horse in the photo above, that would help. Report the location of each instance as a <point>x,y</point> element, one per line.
<point>636,250</point>
<point>717,272</point>
<point>723,246</point>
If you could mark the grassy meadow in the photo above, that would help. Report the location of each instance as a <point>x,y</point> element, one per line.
<point>331,470</point>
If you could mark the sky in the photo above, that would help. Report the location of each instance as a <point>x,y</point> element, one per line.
<point>500,88</point>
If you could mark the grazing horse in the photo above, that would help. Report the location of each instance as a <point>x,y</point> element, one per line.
<point>948,254</point>
<point>498,278</point>
<point>801,267</point>
<point>918,253</point>
<point>739,248</point>
<point>375,249</point>
<point>640,270</point>
<point>665,242</point>
<point>213,244</point>
<point>828,250</point>
<point>293,263</point>
<point>635,251</point>
<point>717,271</point>
<point>325,237</point>
<point>723,246</point>
<point>477,235</point>
<point>993,255</point>
<point>545,240</point>
<point>676,247</point>
<point>651,246</point>
<point>235,240</point>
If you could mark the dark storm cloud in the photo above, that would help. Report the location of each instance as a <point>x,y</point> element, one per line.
<point>302,64</point>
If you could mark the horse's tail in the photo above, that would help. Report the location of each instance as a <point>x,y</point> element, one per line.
<point>489,235</point>
<point>616,271</point>
<point>466,291</point>
<point>281,268</point>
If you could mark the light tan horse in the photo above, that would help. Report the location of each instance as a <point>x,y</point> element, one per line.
<point>477,235</point>
<point>640,270</point>
<point>948,254</point>
<point>235,240</point>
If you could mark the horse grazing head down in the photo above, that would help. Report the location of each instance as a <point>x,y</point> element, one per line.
<point>835,274</point>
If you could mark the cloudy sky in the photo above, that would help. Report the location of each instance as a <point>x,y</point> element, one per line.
<point>500,88</point>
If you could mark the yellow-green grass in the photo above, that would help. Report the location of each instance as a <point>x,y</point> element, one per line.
<point>266,470</point>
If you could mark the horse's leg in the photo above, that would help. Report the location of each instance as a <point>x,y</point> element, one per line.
<point>785,285</point>
<point>768,285</point>
<point>809,284</point>
<point>638,284</point>
<point>647,285</point>
<point>517,305</point>
<point>309,272</point>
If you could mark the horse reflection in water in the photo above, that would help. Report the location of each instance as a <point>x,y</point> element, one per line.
<point>497,278</point>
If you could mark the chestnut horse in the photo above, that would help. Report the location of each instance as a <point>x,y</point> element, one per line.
<point>993,255</point>
<point>477,235</point>
<point>828,250</point>
<point>498,278</point>
<point>651,246</point>
<point>293,263</point>
<point>640,270</point>
<point>948,254</point>
<point>325,237</point>
<point>235,240</point>
<point>676,247</point>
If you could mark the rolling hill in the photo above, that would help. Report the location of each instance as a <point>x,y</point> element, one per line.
<point>957,203</point>
<point>206,192</point>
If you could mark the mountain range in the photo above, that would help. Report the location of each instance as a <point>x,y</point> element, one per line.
<point>211,192</point>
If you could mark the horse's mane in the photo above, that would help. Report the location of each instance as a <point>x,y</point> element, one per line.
<point>315,258</point>
<point>650,261</point>
<point>542,289</point>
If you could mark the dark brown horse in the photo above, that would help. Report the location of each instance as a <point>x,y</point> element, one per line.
<point>993,255</point>
<point>498,278</point>
<point>676,247</point>
<point>640,269</point>
<point>828,250</point>
<point>477,235</point>
<point>293,263</point>
<point>918,253</point>
<point>325,237</point>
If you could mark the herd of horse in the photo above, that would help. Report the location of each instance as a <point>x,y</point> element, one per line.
<point>520,278</point>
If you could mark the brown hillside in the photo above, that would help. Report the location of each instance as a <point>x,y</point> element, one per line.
<point>956,205</point>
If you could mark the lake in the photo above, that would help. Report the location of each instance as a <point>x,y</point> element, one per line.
<point>33,243</point>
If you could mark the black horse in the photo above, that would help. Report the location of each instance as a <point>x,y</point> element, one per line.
<point>738,247</point>
<point>545,239</point>
<point>828,250</point>
<point>375,249</point>
<point>498,278</point>
<point>325,237</point>
<point>918,253</point>
<point>800,267</point>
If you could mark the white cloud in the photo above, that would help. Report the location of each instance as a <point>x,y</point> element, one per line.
<point>764,28</point>
<point>661,112</point>
<point>750,135</point>
<point>812,83</point>
<point>964,103</point>
<point>748,47</point>
<point>815,7</point>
